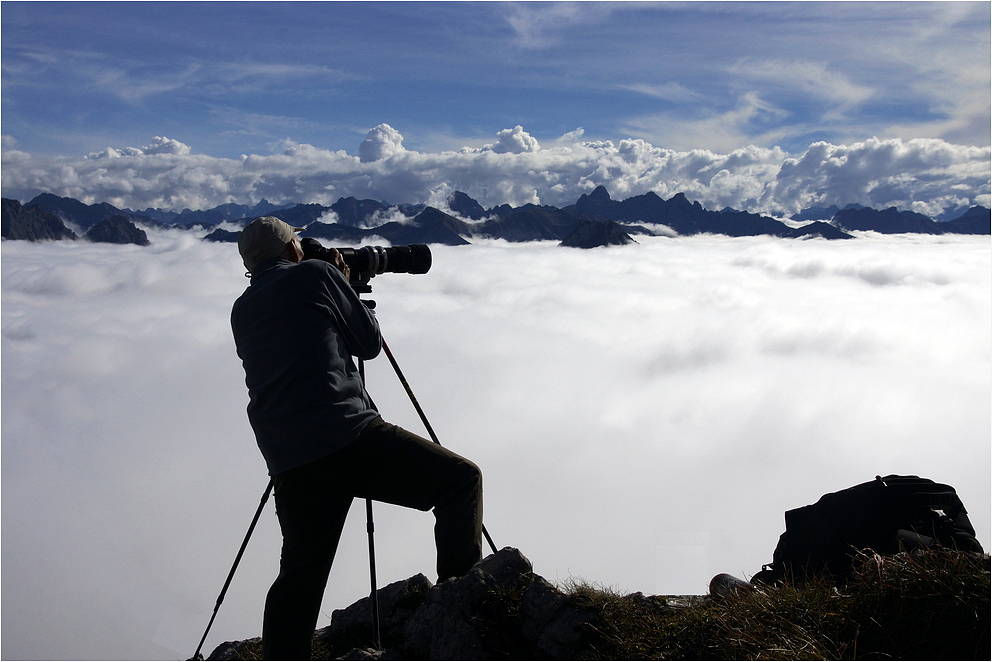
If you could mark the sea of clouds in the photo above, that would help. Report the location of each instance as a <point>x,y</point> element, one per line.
<point>928,176</point>
<point>643,415</point>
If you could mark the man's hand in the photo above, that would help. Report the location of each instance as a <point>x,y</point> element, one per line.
<point>338,261</point>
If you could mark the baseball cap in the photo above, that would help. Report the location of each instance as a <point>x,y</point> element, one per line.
<point>265,238</point>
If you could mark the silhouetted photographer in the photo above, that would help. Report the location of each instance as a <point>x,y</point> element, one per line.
<point>298,328</point>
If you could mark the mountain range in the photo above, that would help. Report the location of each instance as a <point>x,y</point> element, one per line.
<point>594,220</point>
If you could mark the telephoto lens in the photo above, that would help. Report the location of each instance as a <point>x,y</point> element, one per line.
<point>369,261</point>
<point>412,259</point>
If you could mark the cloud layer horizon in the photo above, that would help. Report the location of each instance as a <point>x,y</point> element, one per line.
<point>928,176</point>
<point>643,415</point>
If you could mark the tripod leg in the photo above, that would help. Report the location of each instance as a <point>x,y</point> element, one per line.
<point>370,527</point>
<point>230,576</point>
<point>423,417</point>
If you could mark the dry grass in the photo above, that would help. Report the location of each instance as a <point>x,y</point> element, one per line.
<point>932,606</point>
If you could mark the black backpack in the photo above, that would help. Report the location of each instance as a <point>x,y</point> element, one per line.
<point>886,515</point>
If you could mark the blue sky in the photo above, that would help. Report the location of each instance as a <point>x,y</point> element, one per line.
<point>223,80</point>
<point>233,78</point>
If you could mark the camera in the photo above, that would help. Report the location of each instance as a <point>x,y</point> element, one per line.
<point>367,262</point>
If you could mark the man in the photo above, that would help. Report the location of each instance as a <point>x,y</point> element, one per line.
<point>298,328</point>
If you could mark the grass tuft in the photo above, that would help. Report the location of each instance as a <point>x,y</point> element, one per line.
<point>933,606</point>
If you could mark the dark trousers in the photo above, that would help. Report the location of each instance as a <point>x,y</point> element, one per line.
<point>386,463</point>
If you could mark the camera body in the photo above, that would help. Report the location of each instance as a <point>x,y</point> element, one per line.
<point>367,262</point>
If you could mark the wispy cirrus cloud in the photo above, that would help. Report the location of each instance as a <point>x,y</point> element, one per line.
<point>668,91</point>
<point>135,79</point>
<point>803,78</point>
<point>751,120</point>
<point>540,25</point>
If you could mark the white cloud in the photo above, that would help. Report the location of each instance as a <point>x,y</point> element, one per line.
<point>572,137</point>
<point>514,141</point>
<point>948,75</point>
<point>920,174</point>
<point>811,79</point>
<point>162,145</point>
<point>670,91</point>
<point>381,142</point>
<point>930,174</point>
<point>540,25</point>
<point>139,77</point>
<point>740,125</point>
<point>159,145</point>
<point>628,406</point>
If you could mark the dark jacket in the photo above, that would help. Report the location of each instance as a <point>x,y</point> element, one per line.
<point>297,328</point>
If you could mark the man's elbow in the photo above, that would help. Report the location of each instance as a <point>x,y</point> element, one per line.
<point>371,350</point>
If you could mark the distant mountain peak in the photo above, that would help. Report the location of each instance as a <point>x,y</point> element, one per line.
<point>592,234</point>
<point>462,204</point>
<point>117,230</point>
<point>31,223</point>
<point>600,194</point>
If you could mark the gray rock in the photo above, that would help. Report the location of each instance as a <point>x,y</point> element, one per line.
<point>508,568</point>
<point>554,623</point>
<point>396,602</point>
<point>442,628</point>
<point>231,650</point>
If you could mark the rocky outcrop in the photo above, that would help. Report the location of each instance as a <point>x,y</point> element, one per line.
<point>466,207</point>
<point>223,236</point>
<point>430,226</point>
<point>677,213</point>
<point>820,229</point>
<point>31,223</point>
<point>886,221</point>
<point>591,234</point>
<point>500,609</point>
<point>117,230</point>
<point>529,223</point>
<point>85,216</point>
<point>977,220</point>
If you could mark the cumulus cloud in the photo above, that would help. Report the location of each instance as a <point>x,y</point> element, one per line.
<point>514,141</point>
<point>926,175</point>
<point>643,415</point>
<point>162,145</point>
<point>381,142</point>
<point>159,145</point>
